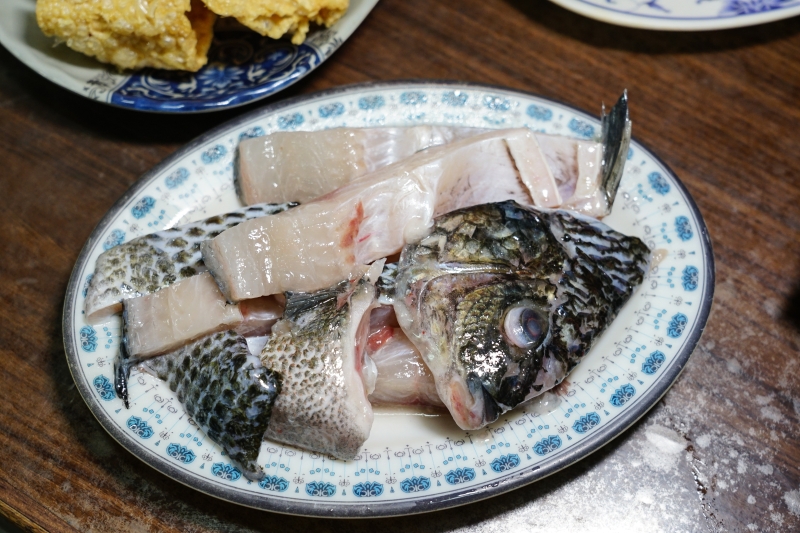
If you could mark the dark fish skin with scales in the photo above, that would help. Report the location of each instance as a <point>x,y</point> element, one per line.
<point>315,349</point>
<point>152,262</point>
<point>226,391</point>
<point>503,301</point>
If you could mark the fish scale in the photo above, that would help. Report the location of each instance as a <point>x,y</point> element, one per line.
<point>226,390</point>
<point>151,262</point>
<point>502,301</point>
<point>323,406</point>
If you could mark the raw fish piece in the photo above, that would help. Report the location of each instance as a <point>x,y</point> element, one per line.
<point>187,310</point>
<point>148,263</point>
<point>226,391</point>
<point>299,166</point>
<point>331,238</point>
<point>319,349</point>
<point>302,166</point>
<point>587,173</point>
<point>594,193</point>
<point>403,378</point>
<point>502,301</point>
<point>319,243</point>
<point>575,165</point>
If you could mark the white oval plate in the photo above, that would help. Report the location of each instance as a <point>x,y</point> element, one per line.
<point>243,66</point>
<point>411,463</point>
<point>684,15</point>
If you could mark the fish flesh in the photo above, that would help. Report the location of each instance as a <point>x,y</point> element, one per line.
<point>187,310</point>
<point>402,376</point>
<point>319,349</point>
<point>594,194</point>
<point>319,243</point>
<point>148,263</point>
<point>299,166</point>
<point>226,391</point>
<point>333,237</point>
<point>503,300</point>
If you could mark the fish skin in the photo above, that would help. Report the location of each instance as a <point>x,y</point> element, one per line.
<point>323,406</point>
<point>226,391</point>
<point>457,286</point>
<point>151,262</point>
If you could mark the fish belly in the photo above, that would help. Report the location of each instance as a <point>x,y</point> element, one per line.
<point>403,378</point>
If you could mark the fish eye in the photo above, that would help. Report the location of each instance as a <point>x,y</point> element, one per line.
<point>524,326</point>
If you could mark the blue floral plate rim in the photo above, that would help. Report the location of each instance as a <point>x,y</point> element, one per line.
<point>520,477</point>
<point>260,67</point>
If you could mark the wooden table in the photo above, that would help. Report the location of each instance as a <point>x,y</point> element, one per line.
<point>721,108</point>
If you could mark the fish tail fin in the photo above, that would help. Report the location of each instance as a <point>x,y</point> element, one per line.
<point>616,140</point>
<point>122,372</point>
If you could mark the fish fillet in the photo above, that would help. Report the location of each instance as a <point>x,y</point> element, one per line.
<point>187,310</point>
<point>317,244</point>
<point>148,263</point>
<point>299,166</point>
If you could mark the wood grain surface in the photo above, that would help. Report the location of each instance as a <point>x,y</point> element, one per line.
<point>720,108</point>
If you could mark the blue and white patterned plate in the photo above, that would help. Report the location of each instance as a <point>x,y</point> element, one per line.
<point>243,66</point>
<point>411,463</point>
<point>684,15</point>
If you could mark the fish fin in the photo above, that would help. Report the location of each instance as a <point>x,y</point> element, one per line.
<point>298,303</point>
<point>122,372</point>
<point>616,140</point>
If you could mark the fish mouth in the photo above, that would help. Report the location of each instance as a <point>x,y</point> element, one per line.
<point>470,403</point>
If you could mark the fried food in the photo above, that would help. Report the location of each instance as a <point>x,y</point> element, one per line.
<point>276,18</point>
<point>132,34</point>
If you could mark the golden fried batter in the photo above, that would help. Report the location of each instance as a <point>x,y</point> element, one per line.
<point>275,18</point>
<point>131,34</point>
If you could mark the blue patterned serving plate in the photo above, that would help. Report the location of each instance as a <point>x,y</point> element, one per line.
<point>412,462</point>
<point>684,15</point>
<point>243,66</point>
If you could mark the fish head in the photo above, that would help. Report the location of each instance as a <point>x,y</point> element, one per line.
<point>502,301</point>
